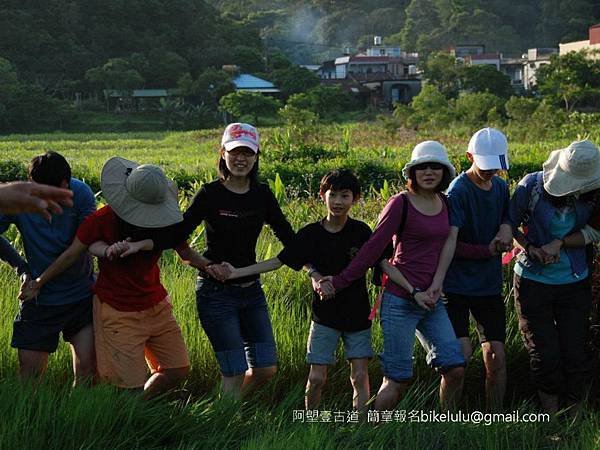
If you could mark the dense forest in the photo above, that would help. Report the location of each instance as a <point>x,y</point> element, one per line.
<point>327,27</point>
<point>56,51</point>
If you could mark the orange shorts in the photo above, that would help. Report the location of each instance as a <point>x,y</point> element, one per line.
<point>127,343</point>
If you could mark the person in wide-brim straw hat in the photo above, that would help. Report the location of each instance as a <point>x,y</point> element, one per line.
<point>575,168</point>
<point>141,195</point>
<point>129,297</point>
<point>551,284</point>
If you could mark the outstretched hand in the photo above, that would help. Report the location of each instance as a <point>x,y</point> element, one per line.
<point>21,196</point>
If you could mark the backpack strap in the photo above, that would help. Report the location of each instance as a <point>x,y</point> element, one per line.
<point>534,196</point>
<point>379,277</point>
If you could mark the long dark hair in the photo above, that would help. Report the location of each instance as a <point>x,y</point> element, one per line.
<point>224,172</point>
<point>558,202</point>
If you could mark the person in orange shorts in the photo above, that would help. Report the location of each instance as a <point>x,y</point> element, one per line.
<point>134,326</point>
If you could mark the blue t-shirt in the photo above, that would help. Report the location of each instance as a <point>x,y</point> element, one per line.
<point>478,215</point>
<point>44,241</point>
<point>560,272</point>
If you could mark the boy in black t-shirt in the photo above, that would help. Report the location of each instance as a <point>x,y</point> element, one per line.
<point>325,248</point>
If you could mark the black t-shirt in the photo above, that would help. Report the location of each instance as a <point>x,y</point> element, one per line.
<point>233,223</point>
<point>330,253</point>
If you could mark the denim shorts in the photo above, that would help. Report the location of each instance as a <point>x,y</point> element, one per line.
<point>323,341</point>
<point>400,320</point>
<point>236,321</point>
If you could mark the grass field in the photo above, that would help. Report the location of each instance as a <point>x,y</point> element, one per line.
<point>52,415</point>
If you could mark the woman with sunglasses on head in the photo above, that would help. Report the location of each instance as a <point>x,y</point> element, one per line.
<point>234,313</point>
<point>417,223</point>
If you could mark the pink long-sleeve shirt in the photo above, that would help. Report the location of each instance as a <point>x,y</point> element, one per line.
<point>416,251</point>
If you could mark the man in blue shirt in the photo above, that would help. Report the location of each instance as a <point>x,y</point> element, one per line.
<point>478,209</point>
<point>63,305</point>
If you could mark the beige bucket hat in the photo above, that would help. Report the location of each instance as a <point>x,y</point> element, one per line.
<point>575,168</point>
<point>141,195</point>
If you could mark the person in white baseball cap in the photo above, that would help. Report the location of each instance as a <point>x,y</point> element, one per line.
<point>473,285</point>
<point>489,149</point>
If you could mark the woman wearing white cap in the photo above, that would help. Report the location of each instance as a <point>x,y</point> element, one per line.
<point>134,327</point>
<point>551,284</point>
<point>417,222</point>
<point>234,313</point>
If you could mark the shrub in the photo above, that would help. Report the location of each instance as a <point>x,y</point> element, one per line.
<point>477,108</point>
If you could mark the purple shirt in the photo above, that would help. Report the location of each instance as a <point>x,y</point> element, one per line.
<point>416,251</point>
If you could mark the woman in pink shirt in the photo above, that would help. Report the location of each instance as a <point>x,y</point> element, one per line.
<point>417,223</point>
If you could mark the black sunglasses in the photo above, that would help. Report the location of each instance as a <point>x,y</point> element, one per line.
<point>429,165</point>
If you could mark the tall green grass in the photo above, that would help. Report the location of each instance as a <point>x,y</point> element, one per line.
<point>52,415</point>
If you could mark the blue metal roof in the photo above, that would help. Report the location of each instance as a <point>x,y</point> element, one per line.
<point>246,81</point>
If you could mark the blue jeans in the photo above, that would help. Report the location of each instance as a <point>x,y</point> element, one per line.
<point>236,321</point>
<point>400,320</point>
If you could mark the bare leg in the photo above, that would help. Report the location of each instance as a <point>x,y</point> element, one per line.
<point>359,377</point>
<point>314,385</point>
<point>32,364</point>
<point>389,394</point>
<point>232,386</point>
<point>161,381</point>
<point>255,377</point>
<point>494,359</point>
<point>84,356</point>
<point>451,387</point>
<point>467,348</point>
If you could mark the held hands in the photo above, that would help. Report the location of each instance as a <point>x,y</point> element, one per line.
<point>29,289</point>
<point>324,287</point>
<point>502,242</point>
<point>122,249</point>
<point>540,254</point>
<point>221,272</point>
<point>552,251</point>
<point>425,300</point>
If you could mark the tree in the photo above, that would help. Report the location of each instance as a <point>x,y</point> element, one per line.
<point>421,20</point>
<point>430,108</point>
<point>485,78</point>
<point>570,79</point>
<point>476,108</point>
<point>247,58</point>
<point>294,79</point>
<point>324,101</point>
<point>442,71</point>
<point>165,68</point>
<point>116,74</point>
<point>249,103</point>
<point>208,88</point>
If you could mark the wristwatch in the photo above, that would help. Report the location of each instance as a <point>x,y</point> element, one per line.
<point>414,292</point>
<point>312,269</point>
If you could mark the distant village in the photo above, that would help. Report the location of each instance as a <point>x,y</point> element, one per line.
<point>382,75</point>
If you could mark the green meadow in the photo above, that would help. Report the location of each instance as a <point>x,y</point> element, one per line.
<point>52,415</point>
